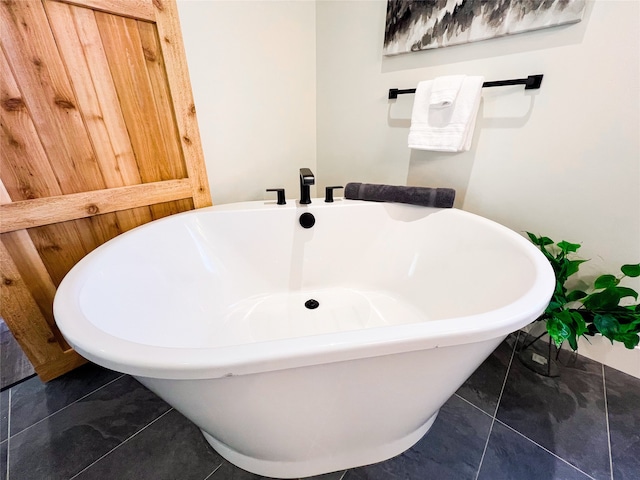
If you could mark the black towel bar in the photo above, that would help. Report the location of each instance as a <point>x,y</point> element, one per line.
<point>532,82</point>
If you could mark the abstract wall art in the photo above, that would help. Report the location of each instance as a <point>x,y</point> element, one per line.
<point>413,25</point>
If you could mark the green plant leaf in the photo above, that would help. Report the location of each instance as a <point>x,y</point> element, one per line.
<point>557,329</point>
<point>533,238</point>
<point>626,315</point>
<point>634,323</point>
<point>552,260</point>
<point>631,270</point>
<point>573,342</point>
<point>567,247</point>
<point>605,300</point>
<point>540,241</point>
<point>572,266</point>
<point>554,305</point>
<point>600,311</point>
<point>559,291</point>
<point>627,292</point>
<point>606,281</point>
<point>630,327</point>
<point>607,325</point>
<point>592,330</point>
<point>580,325</point>
<point>545,241</point>
<point>630,340</point>
<point>575,295</point>
<point>576,324</point>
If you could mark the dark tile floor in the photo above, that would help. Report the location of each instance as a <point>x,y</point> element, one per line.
<point>505,422</point>
<point>14,365</point>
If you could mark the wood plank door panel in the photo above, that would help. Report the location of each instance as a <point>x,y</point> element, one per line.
<point>98,135</point>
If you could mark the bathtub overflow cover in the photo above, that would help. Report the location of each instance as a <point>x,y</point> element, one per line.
<point>311,304</point>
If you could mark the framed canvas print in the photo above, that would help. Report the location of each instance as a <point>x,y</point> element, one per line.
<point>414,25</point>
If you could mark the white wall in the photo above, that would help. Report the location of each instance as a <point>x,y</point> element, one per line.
<point>563,161</point>
<point>253,72</point>
<point>284,84</point>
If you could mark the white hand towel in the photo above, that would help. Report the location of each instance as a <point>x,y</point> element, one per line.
<point>444,90</point>
<point>445,129</point>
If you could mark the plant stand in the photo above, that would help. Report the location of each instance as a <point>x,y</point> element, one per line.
<point>538,355</point>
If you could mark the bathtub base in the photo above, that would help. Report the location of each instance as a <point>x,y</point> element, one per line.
<point>317,466</point>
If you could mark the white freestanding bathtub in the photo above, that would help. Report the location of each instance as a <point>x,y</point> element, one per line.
<point>210,310</point>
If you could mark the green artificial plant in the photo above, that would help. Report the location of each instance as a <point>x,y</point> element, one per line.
<point>574,313</point>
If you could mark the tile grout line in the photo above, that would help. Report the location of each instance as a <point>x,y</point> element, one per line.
<point>65,407</point>
<point>606,416</point>
<point>506,375</point>
<point>495,412</point>
<point>121,443</point>
<point>484,450</point>
<point>214,471</point>
<point>472,404</point>
<point>544,448</point>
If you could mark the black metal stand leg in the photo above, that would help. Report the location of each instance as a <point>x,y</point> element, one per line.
<point>533,341</point>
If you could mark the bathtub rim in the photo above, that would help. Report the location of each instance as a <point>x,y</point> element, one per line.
<point>214,362</point>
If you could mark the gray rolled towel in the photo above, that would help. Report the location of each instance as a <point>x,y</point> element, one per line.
<point>424,196</point>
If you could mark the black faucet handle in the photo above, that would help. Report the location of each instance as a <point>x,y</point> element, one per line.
<point>281,200</point>
<point>328,193</point>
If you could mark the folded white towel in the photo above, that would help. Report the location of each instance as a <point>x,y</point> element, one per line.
<point>444,90</point>
<point>445,129</point>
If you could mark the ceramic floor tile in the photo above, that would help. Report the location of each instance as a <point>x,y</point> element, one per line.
<point>228,471</point>
<point>511,456</point>
<point>63,444</point>
<point>33,400</point>
<point>14,365</point>
<point>3,459</point>
<point>327,476</point>
<point>623,402</point>
<point>170,448</point>
<point>452,449</point>
<point>565,414</point>
<point>4,415</point>
<point>484,386</point>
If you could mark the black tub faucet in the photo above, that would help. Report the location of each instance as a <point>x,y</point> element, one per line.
<point>306,179</point>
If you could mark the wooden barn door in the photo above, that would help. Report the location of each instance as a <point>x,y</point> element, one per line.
<point>98,135</point>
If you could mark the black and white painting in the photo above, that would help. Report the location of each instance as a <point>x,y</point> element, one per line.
<point>414,25</point>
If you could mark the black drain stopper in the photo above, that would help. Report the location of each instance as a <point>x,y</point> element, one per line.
<point>311,304</point>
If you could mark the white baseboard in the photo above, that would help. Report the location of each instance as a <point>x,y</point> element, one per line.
<point>616,356</point>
